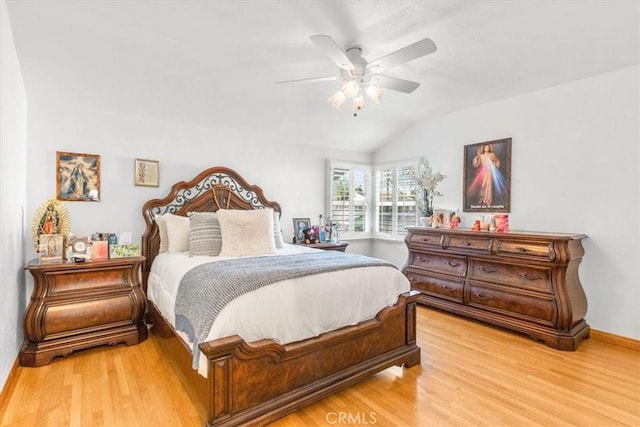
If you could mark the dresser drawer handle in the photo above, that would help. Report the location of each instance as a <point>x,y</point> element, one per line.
<point>480,295</point>
<point>422,259</point>
<point>487,269</point>
<point>522,249</point>
<point>530,276</point>
<point>413,279</point>
<point>453,263</point>
<point>445,287</point>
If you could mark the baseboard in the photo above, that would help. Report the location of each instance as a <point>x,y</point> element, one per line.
<point>618,340</point>
<point>8,388</point>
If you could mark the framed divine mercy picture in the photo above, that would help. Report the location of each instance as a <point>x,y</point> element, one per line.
<point>487,176</point>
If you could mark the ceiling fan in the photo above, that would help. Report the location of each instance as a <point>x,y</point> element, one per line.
<point>361,76</point>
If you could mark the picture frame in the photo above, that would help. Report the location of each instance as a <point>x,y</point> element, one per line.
<point>487,176</point>
<point>77,177</point>
<point>146,173</point>
<point>445,215</point>
<point>299,225</point>
<point>442,214</point>
<point>51,248</point>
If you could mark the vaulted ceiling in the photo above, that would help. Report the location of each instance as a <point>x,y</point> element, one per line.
<point>215,63</point>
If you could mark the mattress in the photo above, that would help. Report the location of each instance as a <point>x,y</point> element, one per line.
<point>286,311</point>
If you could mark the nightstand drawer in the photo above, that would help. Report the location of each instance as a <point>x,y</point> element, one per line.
<point>63,282</point>
<point>93,314</point>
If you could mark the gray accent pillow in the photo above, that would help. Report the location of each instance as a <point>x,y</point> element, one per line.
<point>205,237</point>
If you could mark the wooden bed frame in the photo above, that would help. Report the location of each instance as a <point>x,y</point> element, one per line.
<point>259,382</point>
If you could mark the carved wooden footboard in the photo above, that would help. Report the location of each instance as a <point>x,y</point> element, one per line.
<point>259,382</point>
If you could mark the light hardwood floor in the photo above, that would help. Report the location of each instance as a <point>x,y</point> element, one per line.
<point>471,374</point>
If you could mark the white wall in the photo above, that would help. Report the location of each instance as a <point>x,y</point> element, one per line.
<point>575,168</point>
<point>13,143</point>
<point>293,175</point>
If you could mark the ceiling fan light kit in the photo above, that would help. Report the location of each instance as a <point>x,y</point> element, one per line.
<point>359,76</point>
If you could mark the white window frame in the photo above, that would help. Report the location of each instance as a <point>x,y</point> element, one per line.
<point>395,234</point>
<point>367,169</point>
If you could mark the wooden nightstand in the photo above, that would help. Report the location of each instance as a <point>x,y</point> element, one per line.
<point>339,246</point>
<point>77,306</point>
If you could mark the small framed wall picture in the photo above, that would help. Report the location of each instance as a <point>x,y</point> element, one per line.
<point>146,173</point>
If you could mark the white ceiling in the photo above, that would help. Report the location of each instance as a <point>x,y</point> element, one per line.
<point>215,63</point>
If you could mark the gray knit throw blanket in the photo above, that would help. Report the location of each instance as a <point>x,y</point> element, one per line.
<point>207,288</point>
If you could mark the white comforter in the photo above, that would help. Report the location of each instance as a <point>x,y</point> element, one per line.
<point>287,311</point>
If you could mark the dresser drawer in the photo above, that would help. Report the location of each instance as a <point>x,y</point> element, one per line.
<point>514,275</point>
<point>541,250</point>
<point>430,239</point>
<point>479,243</point>
<point>435,286</point>
<point>440,263</point>
<point>524,306</point>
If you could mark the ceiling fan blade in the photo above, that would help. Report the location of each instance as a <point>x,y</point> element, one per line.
<point>333,51</point>
<point>312,80</point>
<point>406,54</point>
<point>393,83</point>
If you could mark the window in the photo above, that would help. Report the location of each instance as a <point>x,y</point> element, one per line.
<point>384,212</point>
<point>348,198</point>
<point>395,199</point>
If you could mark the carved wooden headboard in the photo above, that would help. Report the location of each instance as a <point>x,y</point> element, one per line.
<point>215,188</point>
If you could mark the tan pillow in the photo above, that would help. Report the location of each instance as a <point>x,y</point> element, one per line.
<point>246,233</point>
<point>177,232</point>
<point>162,230</point>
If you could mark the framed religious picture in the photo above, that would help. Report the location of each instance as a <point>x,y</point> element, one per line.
<point>51,218</point>
<point>146,173</point>
<point>487,176</point>
<point>299,225</point>
<point>77,177</point>
<point>50,248</point>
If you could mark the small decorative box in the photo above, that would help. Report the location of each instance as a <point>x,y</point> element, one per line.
<point>124,251</point>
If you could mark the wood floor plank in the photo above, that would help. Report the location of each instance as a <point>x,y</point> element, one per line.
<point>471,374</point>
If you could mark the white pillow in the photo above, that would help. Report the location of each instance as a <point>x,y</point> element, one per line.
<point>177,232</point>
<point>246,233</point>
<point>277,230</point>
<point>162,230</point>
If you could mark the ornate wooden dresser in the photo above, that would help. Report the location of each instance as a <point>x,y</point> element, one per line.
<point>76,306</point>
<point>527,282</point>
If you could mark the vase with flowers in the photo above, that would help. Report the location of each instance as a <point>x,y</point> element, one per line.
<point>426,183</point>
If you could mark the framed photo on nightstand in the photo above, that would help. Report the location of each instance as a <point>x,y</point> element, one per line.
<point>299,225</point>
